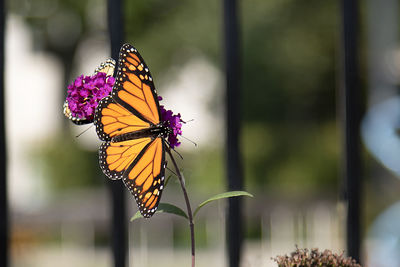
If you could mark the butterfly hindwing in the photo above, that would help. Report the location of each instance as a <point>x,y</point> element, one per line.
<point>112,119</point>
<point>134,88</point>
<point>107,67</point>
<point>116,158</point>
<point>75,120</point>
<point>145,177</point>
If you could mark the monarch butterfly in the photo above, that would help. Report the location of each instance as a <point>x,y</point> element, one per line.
<point>107,68</point>
<point>129,122</point>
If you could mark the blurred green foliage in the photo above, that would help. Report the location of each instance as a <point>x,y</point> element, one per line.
<point>304,162</point>
<point>289,62</point>
<point>66,165</point>
<point>182,235</point>
<point>290,140</point>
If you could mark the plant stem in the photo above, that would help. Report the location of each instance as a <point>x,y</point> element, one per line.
<point>189,209</point>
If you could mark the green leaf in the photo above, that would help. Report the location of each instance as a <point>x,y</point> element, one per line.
<point>221,196</point>
<point>163,207</point>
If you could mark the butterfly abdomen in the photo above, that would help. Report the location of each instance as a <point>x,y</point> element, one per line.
<point>153,132</point>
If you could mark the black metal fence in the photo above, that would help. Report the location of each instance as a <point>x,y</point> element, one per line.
<point>119,224</point>
<point>234,223</point>
<point>350,110</point>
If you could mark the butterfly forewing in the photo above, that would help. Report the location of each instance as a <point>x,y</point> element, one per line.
<point>134,88</point>
<point>112,119</point>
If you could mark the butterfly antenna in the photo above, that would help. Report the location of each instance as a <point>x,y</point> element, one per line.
<point>187,121</point>
<point>172,173</point>
<point>187,139</point>
<point>177,153</point>
<point>169,147</point>
<point>84,131</point>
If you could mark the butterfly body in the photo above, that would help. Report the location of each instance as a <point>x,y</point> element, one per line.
<point>157,131</point>
<point>129,122</point>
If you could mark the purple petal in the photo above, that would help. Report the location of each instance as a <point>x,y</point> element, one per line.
<point>78,81</point>
<point>110,81</point>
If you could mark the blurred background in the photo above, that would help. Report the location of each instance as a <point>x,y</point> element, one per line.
<point>291,137</point>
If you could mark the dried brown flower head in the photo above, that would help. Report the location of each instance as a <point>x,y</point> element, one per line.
<point>315,258</point>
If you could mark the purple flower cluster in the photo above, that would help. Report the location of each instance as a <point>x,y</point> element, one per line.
<point>174,122</point>
<point>86,91</point>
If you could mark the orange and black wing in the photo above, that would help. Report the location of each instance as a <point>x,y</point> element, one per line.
<point>116,158</point>
<point>145,177</point>
<point>111,119</point>
<point>134,88</point>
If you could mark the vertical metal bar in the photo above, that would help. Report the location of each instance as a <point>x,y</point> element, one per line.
<point>119,227</point>
<point>4,227</point>
<point>351,115</point>
<point>115,26</point>
<point>234,170</point>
